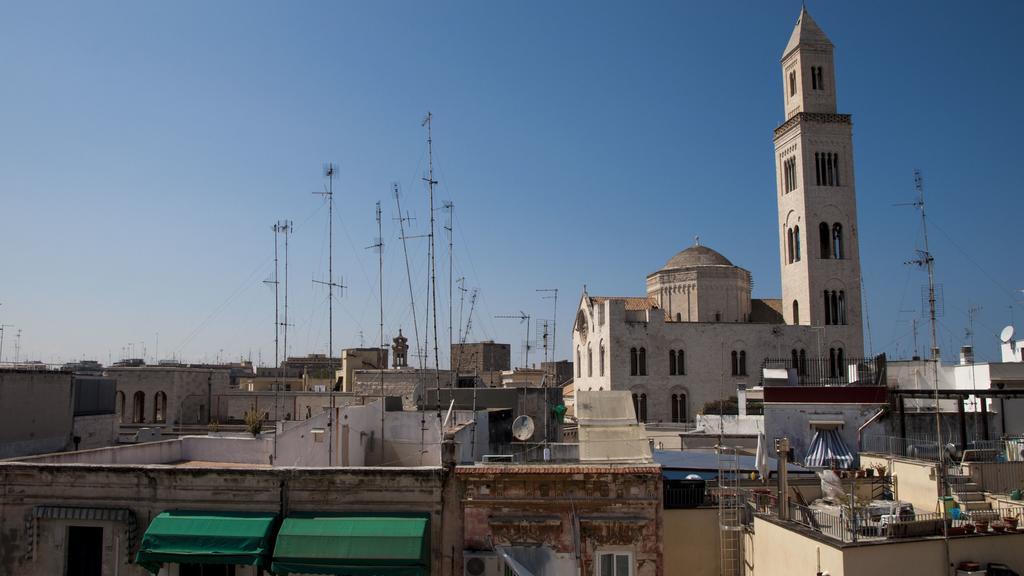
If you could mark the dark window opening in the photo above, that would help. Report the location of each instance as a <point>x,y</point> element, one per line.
<point>85,551</point>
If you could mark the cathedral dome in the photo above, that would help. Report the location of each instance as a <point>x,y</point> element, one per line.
<point>695,256</point>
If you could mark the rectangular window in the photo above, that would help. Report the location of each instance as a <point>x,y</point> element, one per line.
<point>792,83</point>
<point>85,551</point>
<point>615,564</point>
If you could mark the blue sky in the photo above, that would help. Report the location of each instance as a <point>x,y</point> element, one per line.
<point>146,149</point>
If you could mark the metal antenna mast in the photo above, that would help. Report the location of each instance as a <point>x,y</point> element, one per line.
<point>420,352</point>
<point>379,247</point>
<point>450,207</point>
<point>522,316</point>
<point>925,259</point>
<point>329,171</point>
<point>286,229</point>
<point>2,326</point>
<point>553,295</point>
<point>433,269</point>
<point>277,323</point>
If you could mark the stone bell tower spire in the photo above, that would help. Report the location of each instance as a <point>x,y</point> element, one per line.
<point>816,196</point>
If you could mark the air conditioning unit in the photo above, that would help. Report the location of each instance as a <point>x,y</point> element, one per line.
<point>481,564</point>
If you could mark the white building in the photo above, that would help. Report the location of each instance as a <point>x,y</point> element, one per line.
<point>698,335</point>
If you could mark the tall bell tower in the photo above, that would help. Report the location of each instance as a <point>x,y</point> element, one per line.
<point>817,202</point>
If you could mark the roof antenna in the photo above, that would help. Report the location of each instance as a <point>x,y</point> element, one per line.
<point>696,240</point>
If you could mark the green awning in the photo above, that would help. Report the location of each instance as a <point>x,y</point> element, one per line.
<point>201,537</point>
<point>353,545</point>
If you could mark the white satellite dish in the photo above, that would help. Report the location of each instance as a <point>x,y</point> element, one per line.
<point>522,428</point>
<point>1006,335</point>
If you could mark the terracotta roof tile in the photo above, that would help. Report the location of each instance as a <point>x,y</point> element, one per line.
<point>632,302</point>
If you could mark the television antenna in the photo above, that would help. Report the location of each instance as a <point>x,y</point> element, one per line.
<point>522,317</point>
<point>552,294</point>
<point>402,219</point>
<point>925,259</point>
<point>329,171</point>
<point>2,327</point>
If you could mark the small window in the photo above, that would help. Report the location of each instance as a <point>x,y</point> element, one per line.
<point>796,312</point>
<point>735,363</point>
<point>743,362</point>
<point>796,242</point>
<point>680,362</point>
<point>590,361</point>
<point>671,362</point>
<point>600,365</point>
<point>825,248</point>
<point>615,564</point>
<point>643,362</point>
<point>837,240</point>
<point>792,83</point>
<point>633,362</point>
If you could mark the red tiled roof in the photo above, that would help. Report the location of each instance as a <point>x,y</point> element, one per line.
<point>632,302</point>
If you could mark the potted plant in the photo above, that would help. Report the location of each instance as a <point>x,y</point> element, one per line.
<point>969,528</point>
<point>870,472</point>
<point>997,526</point>
<point>981,526</point>
<point>1011,522</point>
<point>882,469</point>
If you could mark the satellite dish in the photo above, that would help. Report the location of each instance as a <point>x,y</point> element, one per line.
<point>522,428</point>
<point>1006,335</point>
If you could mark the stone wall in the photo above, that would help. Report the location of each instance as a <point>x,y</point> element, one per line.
<point>146,491</point>
<point>610,508</point>
<point>36,412</point>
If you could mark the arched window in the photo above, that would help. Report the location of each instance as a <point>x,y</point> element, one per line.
<point>579,363</point>
<point>735,363</point>
<point>796,242</point>
<point>832,363</point>
<point>590,361</point>
<point>837,240</point>
<point>633,369</point>
<point>139,407</point>
<point>828,308</point>
<point>842,307</point>
<point>679,407</point>
<point>835,307</point>
<point>680,362</point>
<point>803,362</point>
<point>743,362</point>
<point>794,362</point>
<point>671,362</point>
<point>789,245</point>
<point>160,407</point>
<point>824,240</point>
<point>600,357</point>
<point>643,407</point>
<point>643,361</point>
<point>840,363</point>
<point>120,406</point>
<point>796,312</point>
<point>636,406</point>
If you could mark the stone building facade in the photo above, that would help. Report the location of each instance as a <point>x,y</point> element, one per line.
<point>564,519</point>
<point>698,335</point>
<point>164,395</point>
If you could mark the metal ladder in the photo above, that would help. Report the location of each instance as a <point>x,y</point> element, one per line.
<point>730,512</point>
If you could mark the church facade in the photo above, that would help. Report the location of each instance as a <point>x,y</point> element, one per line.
<point>698,335</point>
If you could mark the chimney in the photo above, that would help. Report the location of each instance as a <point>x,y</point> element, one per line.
<point>966,355</point>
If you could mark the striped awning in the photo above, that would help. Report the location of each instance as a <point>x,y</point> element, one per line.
<point>122,515</point>
<point>827,450</point>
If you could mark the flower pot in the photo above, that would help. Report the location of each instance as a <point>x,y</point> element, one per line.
<point>997,526</point>
<point>969,528</point>
<point>1011,522</point>
<point>870,472</point>
<point>981,526</point>
<point>956,530</point>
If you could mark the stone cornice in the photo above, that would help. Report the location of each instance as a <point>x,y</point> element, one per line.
<point>812,117</point>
